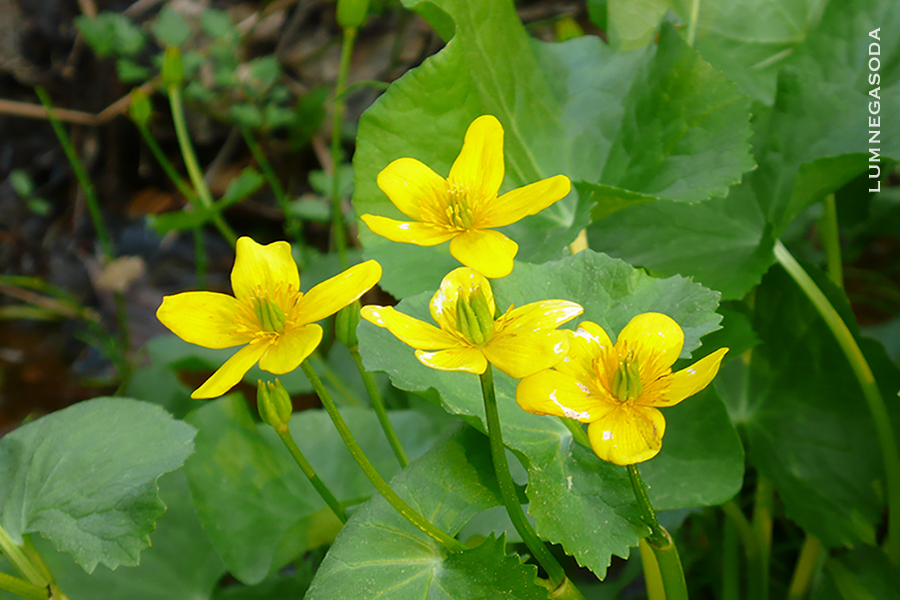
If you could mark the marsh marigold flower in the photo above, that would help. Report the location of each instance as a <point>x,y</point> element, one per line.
<point>519,342</point>
<point>268,314</point>
<point>464,208</point>
<point>617,388</point>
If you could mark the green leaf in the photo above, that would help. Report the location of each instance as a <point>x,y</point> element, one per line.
<point>170,28</point>
<point>724,243</point>
<point>131,72</point>
<point>265,71</point>
<point>258,508</point>
<point>450,485</point>
<point>634,24</point>
<point>247,115</point>
<point>321,181</point>
<point>806,421</point>
<point>575,108</point>
<point>217,24</point>
<point>241,187</point>
<point>864,572</point>
<point>180,563</point>
<point>310,209</point>
<point>97,463</point>
<point>111,34</point>
<point>576,499</point>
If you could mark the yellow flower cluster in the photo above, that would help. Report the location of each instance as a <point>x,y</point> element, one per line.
<point>616,388</point>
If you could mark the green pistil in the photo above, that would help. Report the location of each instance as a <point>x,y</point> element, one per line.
<point>474,317</point>
<point>627,380</point>
<point>458,211</point>
<point>270,316</point>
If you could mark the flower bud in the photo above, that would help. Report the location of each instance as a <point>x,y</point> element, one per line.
<point>172,71</point>
<point>274,404</point>
<point>345,325</point>
<point>352,13</point>
<point>140,108</point>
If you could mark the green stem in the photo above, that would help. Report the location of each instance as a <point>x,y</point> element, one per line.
<point>831,240</point>
<point>35,558</point>
<point>193,167</point>
<point>335,381</point>
<point>750,541</point>
<point>87,187</point>
<point>340,235</point>
<point>730,562</point>
<point>652,577</point>
<point>883,429</point>
<point>293,226</point>
<point>692,24</point>
<point>380,411</point>
<point>17,557</point>
<point>508,487</point>
<point>660,541</point>
<point>806,564</point>
<point>577,431</point>
<point>400,505</point>
<point>23,588</point>
<point>285,434</point>
<point>762,528</point>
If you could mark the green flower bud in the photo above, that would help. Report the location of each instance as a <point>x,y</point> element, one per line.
<point>345,325</point>
<point>172,71</point>
<point>352,13</point>
<point>274,404</point>
<point>140,108</point>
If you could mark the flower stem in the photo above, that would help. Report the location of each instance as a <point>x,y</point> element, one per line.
<point>17,557</point>
<point>22,588</point>
<point>755,571</point>
<point>380,411</point>
<point>292,224</point>
<point>193,167</point>
<point>692,24</point>
<point>806,564</point>
<point>577,431</point>
<point>87,187</point>
<point>762,528</point>
<point>659,541</point>
<point>285,434</point>
<point>730,562</point>
<point>508,487</point>
<point>885,433</point>
<point>340,235</point>
<point>830,238</point>
<point>448,542</point>
<point>652,577</point>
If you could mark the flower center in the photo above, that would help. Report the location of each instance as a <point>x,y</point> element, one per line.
<point>626,382</point>
<point>268,314</point>
<point>459,207</point>
<point>474,317</point>
<point>268,311</point>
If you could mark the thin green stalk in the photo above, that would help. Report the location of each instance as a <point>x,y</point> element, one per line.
<point>193,167</point>
<point>400,505</point>
<point>806,564</point>
<point>23,588</point>
<point>830,238</point>
<point>17,557</point>
<point>660,541</point>
<point>35,558</point>
<point>293,225</point>
<point>885,433</point>
<point>340,234</point>
<point>380,411</point>
<point>763,501</point>
<point>331,377</point>
<point>750,541</point>
<point>730,562</point>
<point>652,577</point>
<point>508,487</point>
<point>577,431</point>
<point>692,24</point>
<point>87,187</point>
<point>285,434</point>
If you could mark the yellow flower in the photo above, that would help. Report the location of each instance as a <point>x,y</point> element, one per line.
<point>464,208</point>
<point>520,342</point>
<point>268,315</point>
<point>618,388</point>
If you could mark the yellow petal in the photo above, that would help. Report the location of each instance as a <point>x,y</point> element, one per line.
<point>543,315</point>
<point>421,234</point>
<point>690,380</point>
<point>524,354</point>
<point>334,294</point>
<point>585,344</point>
<point>489,252</point>
<point>203,318</point>
<point>231,372</point>
<point>414,188</point>
<point>657,339</point>
<point>524,201</point>
<point>479,166</point>
<point>265,266</point>
<point>553,393</point>
<point>408,330</point>
<point>628,435</point>
<point>443,303</point>
<point>463,358</point>
<point>290,349</point>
